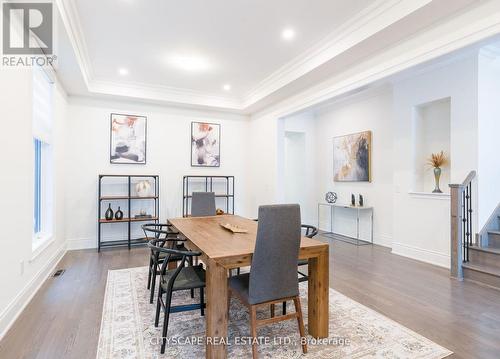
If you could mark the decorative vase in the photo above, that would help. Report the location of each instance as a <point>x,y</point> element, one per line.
<point>353,200</point>
<point>361,200</point>
<point>109,213</point>
<point>143,189</point>
<point>119,214</point>
<point>437,176</point>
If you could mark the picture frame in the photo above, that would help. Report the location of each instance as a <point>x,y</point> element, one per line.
<point>352,157</point>
<point>205,144</point>
<point>128,139</point>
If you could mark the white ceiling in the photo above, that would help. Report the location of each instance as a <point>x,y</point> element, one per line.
<point>240,41</point>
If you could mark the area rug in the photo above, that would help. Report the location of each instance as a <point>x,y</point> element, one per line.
<point>128,331</point>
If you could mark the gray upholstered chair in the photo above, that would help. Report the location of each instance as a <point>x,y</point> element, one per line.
<point>273,275</point>
<point>203,204</point>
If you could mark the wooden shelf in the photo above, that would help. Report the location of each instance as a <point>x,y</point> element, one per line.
<point>217,195</point>
<point>104,220</point>
<point>114,198</point>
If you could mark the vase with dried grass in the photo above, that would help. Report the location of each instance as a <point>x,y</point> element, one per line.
<point>436,161</point>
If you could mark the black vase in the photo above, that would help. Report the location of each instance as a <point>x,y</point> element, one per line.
<point>109,213</point>
<point>361,200</point>
<point>353,200</point>
<point>119,214</point>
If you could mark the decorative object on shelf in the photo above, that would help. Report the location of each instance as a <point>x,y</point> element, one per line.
<point>109,213</point>
<point>361,200</point>
<point>128,139</point>
<point>219,212</point>
<point>352,157</point>
<point>143,188</point>
<point>331,197</point>
<point>353,200</point>
<point>142,212</point>
<point>205,144</point>
<point>436,161</point>
<point>119,214</point>
<point>137,216</point>
<point>233,228</point>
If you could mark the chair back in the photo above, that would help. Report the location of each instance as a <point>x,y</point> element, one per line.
<point>156,247</point>
<point>203,204</point>
<point>309,231</point>
<point>273,274</point>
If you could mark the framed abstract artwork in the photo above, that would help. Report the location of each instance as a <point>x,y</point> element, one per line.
<point>352,157</point>
<point>128,139</point>
<point>205,144</point>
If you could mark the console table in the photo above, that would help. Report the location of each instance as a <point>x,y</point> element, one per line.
<point>354,240</point>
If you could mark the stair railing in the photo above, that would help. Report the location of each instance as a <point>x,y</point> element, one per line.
<point>462,233</point>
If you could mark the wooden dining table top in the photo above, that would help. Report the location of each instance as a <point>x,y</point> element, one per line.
<point>216,242</point>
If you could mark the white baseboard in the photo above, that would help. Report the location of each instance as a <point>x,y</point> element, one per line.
<point>82,243</point>
<point>17,305</point>
<point>421,254</point>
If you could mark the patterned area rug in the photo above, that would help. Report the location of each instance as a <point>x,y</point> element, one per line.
<point>128,331</point>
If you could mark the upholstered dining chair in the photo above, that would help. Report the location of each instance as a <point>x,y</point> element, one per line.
<point>273,274</point>
<point>184,277</point>
<point>203,204</point>
<point>165,235</point>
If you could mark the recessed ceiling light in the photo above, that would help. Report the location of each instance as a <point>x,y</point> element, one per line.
<point>123,71</point>
<point>288,34</point>
<point>226,87</point>
<point>190,63</point>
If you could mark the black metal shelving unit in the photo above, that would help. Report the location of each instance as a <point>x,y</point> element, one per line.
<point>208,183</point>
<point>128,219</point>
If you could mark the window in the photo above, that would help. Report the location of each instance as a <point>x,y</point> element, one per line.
<point>42,155</point>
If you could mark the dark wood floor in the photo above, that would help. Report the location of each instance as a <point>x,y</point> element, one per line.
<point>63,319</point>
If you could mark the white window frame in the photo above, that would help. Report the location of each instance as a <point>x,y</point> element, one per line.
<point>42,131</point>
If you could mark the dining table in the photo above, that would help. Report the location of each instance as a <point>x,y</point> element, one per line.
<point>222,250</point>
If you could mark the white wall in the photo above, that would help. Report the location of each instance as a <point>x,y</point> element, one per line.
<point>369,111</point>
<point>168,155</point>
<point>422,223</point>
<point>489,130</point>
<point>22,272</point>
<point>415,226</point>
<point>431,135</point>
<point>300,167</point>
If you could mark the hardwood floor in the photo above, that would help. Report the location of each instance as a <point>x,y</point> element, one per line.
<point>63,319</point>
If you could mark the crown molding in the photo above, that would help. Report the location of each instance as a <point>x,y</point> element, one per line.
<point>71,21</point>
<point>164,94</point>
<point>369,21</point>
<point>469,29</point>
<point>366,23</point>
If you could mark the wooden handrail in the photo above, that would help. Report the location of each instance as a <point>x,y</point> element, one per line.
<point>470,177</point>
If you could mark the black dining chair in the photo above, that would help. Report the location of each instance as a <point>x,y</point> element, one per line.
<point>165,235</point>
<point>184,277</point>
<point>203,204</point>
<point>272,278</point>
<point>308,231</point>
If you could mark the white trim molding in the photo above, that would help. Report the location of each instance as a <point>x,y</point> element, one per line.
<point>372,19</point>
<point>366,23</point>
<point>9,315</point>
<point>421,254</point>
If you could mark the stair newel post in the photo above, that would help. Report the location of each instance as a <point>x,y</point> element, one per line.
<point>456,193</point>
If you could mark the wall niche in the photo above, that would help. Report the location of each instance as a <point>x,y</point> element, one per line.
<point>431,134</point>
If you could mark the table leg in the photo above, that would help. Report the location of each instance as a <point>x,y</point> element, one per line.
<point>318,295</point>
<point>216,313</point>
